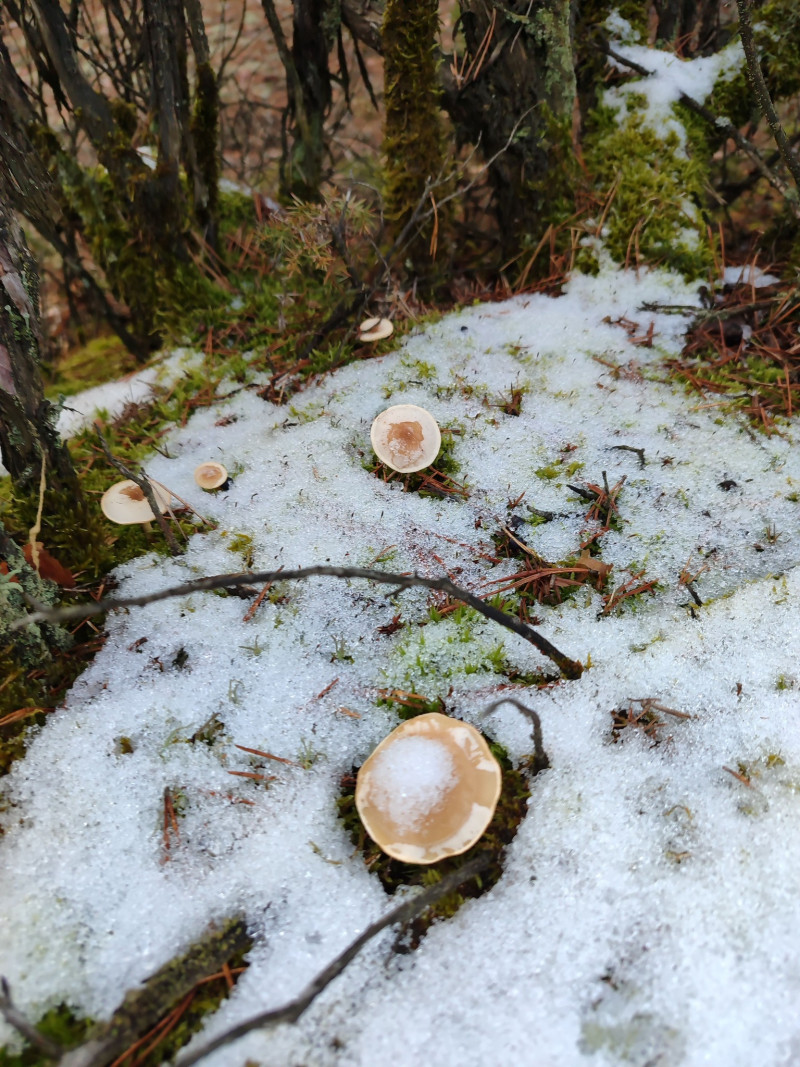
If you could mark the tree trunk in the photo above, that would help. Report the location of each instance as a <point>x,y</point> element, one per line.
<point>310,54</point>
<point>515,97</point>
<point>413,143</point>
<point>28,436</point>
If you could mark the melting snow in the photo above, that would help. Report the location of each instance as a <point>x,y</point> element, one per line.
<point>649,907</point>
<point>410,779</point>
<point>670,78</point>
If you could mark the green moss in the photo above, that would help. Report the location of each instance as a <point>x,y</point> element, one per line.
<point>778,33</point>
<point>97,362</point>
<point>650,218</point>
<point>242,544</point>
<point>61,1026</point>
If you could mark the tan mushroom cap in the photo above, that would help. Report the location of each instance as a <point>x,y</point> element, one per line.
<point>210,475</point>
<point>375,329</point>
<point>126,504</point>
<point>429,790</point>
<point>406,438</point>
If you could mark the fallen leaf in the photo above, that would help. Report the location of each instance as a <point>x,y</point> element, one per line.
<point>49,567</point>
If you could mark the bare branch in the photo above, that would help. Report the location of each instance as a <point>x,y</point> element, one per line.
<point>540,760</point>
<point>568,667</point>
<point>291,1012</point>
<point>761,92</point>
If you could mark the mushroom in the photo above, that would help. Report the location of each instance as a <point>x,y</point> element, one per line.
<point>406,438</point>
<point>375,330</point>
<point>125,503</point>
<point>211,475</point>
<point>429,790</point>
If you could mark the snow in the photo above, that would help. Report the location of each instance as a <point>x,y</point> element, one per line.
<point>670,78</point>
<point>409,780</point>
<point>110,399</point>
<point>749,274</point>
<point>648,908</point>
<point>113,397</point>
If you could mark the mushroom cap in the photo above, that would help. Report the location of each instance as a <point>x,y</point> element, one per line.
<point>210,475</point>
<point>429,790</point>
<point>375,329</point>
<point>406,438</point>
<point>125,503</point>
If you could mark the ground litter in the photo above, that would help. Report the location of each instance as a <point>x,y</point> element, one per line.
<point>648,910</point>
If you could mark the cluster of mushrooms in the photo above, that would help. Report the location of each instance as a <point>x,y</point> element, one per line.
<point>430,789</point>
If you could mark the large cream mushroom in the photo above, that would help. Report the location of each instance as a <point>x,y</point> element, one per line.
<point>126,504</point>
<point>406,438</point>
<point>429,790</point>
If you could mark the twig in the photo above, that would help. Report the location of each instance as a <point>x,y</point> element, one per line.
<point>146,488</point>
<point>568,667</point>
<point>540,760</point>
<point>292,1011</point>
<point>16,1019</point>
<point>761,92</point>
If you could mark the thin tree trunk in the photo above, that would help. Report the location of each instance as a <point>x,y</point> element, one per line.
<point>28,437</point>
<point>204,130</point>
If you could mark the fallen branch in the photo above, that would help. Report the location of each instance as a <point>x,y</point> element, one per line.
<point>292,1011</point>
<point>569,668</point>
<point>144,1006</point>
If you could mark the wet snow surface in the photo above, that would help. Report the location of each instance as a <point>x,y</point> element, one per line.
<point>649,909</point>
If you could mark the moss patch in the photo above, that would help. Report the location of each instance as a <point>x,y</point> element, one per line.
<point>653,216</point>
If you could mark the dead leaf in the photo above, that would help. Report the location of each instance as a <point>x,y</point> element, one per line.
<point>49,567</point>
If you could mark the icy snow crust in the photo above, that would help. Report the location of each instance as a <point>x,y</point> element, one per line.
<point>411,779</point>
<point>649,908</point>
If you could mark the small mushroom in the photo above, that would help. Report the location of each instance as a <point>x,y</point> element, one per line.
<point>211,475</point>
<point>406,438</point>
<point>429,790</point>
<point>126,504</point>
<point>375,330</point>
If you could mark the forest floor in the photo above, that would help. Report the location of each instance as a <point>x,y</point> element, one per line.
<point>198,771</point>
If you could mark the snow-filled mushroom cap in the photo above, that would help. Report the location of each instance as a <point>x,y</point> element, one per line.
<point>406,438</point>
<point>125,503</point>
<point>210,475</point>
<point>429,790</point>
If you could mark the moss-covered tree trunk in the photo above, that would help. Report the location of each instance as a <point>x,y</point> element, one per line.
<point>310,47</point>
<point>515,96</point>
<point>308,86</point>
<point>413,142</point>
